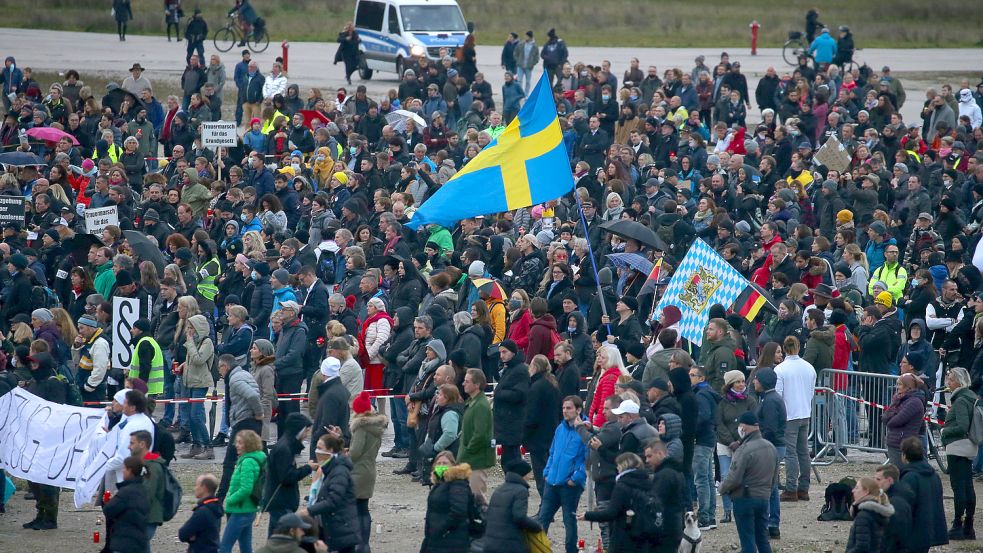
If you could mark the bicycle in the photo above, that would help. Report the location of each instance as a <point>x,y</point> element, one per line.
<point>933,432</point>
<point>229,36</point>
<point>795,47</point>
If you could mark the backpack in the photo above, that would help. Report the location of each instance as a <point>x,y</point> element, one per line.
<point>172,492</point>
<point>646,518</point>
<point>839,497</point>
<point>257,494</point>
<point>976,423</point>
<point>163,443</point>
<point>43,297</point>
<point>72,394</point>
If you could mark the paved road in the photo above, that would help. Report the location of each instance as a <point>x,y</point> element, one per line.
<point>310,66</point>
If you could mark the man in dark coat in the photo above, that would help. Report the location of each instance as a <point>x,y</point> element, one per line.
<point>543,406</point>
<point>18,301</point>
<point>45,386</point>
<point>900,524</point>
<point>771,417</point>
<point>507,516</point>
<point>289,364</point>
<point>281,494</point>
<point>682,390</point>
<point>927,510</point>
<point>510,400</point>
<point>566,371</point>
<point>874,357</point>
<point>668,484</point>
<point>201,530</point>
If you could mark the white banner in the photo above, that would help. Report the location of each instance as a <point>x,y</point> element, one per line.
<point>98,219</point>
<point>100,449</point>
<point>45,442</point>
<point>126,311</point>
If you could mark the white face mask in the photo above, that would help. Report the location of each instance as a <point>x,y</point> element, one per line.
<point>741,432</point>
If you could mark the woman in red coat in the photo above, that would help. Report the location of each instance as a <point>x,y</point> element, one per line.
<point>605,383</point>
<point>520,319</point>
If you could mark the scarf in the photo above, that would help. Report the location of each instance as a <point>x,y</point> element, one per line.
<point>736,396</point>
<point>363,354</point>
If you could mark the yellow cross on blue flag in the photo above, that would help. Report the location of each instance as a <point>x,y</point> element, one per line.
<point>526,165</point>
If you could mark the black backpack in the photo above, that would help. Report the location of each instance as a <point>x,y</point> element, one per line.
<point>163,443</point>
<point>259,484</point>
<point>172,492</point>
<point>839,497</point>
<point>43,297</point>
<point>646,516</point>
<point>72,395</point>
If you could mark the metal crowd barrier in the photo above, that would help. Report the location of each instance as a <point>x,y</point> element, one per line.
<point>848,410</point>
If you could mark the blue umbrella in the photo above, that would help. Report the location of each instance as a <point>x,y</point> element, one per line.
<point>20,159</point>
<point>631,260</point>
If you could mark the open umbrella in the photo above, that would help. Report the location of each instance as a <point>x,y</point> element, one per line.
<point>78,246</point>
<point>631,260</point>
<point>145,249</point>
<point>20,159</point>
<point>626,228</point>
<point>311,116</point>
<point>397,120</point>
<point>490,287</point>
<point>50,134</point>
<point>114,100</point>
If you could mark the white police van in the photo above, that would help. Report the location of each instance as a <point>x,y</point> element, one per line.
<point>394,30</point>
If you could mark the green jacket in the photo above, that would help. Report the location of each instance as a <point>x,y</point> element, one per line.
<point>281,544</point>
<point>819,348</point>
<point>154,484</point>
<point>197,196</point>
<point>442,238</point>
<point>476,434</point>
<point>959,417</point>
<point>239,499</point>
<point>105,279</point>
<point>717,358</point>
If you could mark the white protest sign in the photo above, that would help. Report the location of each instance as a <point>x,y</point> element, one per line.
<point>42,441</point>
<point>98,219</point>
<point>126,311</point>
<point>100,449</point>
<point>219,133</point>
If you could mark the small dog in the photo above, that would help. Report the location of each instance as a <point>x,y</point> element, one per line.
<point>692,541</point>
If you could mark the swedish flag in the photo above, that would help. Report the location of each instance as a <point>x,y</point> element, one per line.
<point>527,164</point>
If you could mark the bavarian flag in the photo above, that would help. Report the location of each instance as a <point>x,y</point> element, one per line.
<point>526,165</point>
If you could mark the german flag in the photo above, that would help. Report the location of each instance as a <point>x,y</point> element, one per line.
<point>656,270</point>
<point>749,303</point>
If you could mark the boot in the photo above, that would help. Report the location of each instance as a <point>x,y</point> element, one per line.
<point>196,450</point>
<point>968,531</point>
<point>220,440</point>
<point>727,518</point>
<point>184,438</point>
<point>207,454</point>
<point>408,469</point>
<point>956,533</point>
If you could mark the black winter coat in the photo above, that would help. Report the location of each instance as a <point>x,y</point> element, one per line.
<point>927,511</point>
<point>874,356</point>
<point>627,485</point>
<point>895,538</point>
<point>869,522</point>
<point>201,531</point>
<point>332,410</point>
<point>507,517</point>
<point>281,492</point>
<point>543,406</point>
<point>474,342</point>
<point>669,485</point>
<point>335,504</point>
<point>568,379</point>
<point>126,516</point>
<point>509,413</point>
<point>261,304</point>
<point>446,526</point>
<point>408,293</point>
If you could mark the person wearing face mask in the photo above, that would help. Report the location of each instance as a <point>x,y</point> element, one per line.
<point>752,474</point>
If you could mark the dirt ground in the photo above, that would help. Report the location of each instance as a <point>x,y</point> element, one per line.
<point>398,510</point>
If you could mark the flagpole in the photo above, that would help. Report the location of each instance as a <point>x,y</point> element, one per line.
<point>590,253</point>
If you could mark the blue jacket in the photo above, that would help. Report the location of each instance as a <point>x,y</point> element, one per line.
<point>11,77</point>
<point>875,253</point>
<point>512,95</point>
<point>253,224</point>
<point>155,114</point>
<point>255,140</point>
<point>434,104</point>
<point>824,48</point>
<point>568,457</point>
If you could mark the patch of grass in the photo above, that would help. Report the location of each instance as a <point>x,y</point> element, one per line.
<point>666,23</point>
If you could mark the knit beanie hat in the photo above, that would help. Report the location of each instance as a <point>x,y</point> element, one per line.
<point>844,216</point>
<point>361,404</point>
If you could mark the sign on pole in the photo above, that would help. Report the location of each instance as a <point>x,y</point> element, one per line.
<point>98,219</point>
<point>126,311</point>
<point>12,209</point>
<point>833,155</point>
<point>219,133</point>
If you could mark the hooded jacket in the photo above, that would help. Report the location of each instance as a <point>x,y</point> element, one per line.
<point>869,522</point>
<point>332,410</point>
<point>198,363</point>
<point>507,517</point>
<point>706,424</point>
<point>541,337</point>
<point>903,417</point>
<point>771,408</point>
<point>688,408</point>
<point>510,401</point>
<point>335,504</point>
<point>447,520</point>
<point>201,530</point>
<point>126,516</point>
<point>927,510</point>
<point>627,485</point>
<point>674,429</point>
<point>819,348</point>
<point>367,430</point>
<point>281,491</point>
<point>290,348</point>
<point>543,407</point>
<point>718,357</point>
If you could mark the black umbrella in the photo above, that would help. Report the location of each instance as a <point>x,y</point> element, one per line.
<point>114,99</point>
<point>145,249</point>
<point>78,247</point>
<point>20,159</point>
<point>629,229</point>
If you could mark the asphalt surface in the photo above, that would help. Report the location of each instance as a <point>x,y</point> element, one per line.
<point>309,63</point>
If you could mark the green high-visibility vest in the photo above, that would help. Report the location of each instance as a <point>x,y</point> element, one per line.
<point>155,385</point>
<point>206,286</point>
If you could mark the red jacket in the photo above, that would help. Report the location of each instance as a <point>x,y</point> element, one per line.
<point>604,389</point>
<point>841,357</point>
<point>519,330</point>
<point>541,334</point>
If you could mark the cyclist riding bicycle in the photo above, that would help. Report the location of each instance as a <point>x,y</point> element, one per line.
<point>844,47</point>
<point>247,17</point>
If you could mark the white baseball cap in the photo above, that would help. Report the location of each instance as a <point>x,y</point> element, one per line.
<point>627,407</point>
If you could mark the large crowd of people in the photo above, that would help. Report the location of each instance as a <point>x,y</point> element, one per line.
<point>285,277</point>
